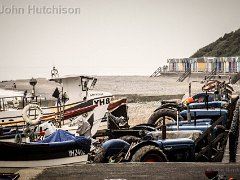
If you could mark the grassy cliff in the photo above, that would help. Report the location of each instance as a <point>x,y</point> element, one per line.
<point>226,46</point>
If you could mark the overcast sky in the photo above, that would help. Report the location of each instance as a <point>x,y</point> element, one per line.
<point>107,37</point>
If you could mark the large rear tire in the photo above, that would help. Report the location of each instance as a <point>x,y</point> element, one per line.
<point>156,118</point>
<point>149,153</point>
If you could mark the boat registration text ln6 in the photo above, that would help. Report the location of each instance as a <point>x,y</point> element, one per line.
<point>75,152</point>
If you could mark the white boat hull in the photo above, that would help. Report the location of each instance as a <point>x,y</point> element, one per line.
<point>45,163</point>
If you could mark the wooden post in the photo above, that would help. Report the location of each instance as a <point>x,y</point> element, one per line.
<point>177,120</point>
<point>164,129</point>
<point>188,113</point>
<point>189,89</point>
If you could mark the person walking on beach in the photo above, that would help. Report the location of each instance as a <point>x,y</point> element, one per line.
<point>14,85</point>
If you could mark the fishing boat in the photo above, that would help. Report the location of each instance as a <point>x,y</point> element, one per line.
<point>71,95</point>
<point>74,99</point>
<point>46,145</point>
<point>61,147</point>
<point>34,132</point>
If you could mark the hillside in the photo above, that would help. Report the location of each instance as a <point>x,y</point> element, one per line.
<point>226,46</point>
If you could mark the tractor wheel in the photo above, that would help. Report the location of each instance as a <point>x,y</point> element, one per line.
<point>100,156</point>
<point>156,118</point>
<point>130,139</point>
<point>149,154</point>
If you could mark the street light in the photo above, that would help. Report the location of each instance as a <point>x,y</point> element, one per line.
<point>33,82</point>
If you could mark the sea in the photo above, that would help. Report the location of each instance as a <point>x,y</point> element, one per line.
<point>10,93</point>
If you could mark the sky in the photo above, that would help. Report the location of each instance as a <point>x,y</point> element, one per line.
<point>106,37</point>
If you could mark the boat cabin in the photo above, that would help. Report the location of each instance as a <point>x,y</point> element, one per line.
<point>75,88</point>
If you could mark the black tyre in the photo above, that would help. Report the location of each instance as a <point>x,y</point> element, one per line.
<point>100,156</point>
<point>149,153</point>
<point>156,118</point>
<point>130,139</point>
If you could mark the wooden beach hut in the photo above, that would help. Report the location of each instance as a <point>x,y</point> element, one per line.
<point>205,64</point>
<point>194,64</point>
<point>201,65</point>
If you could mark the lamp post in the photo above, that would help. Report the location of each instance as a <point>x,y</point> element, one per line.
<point>33,82</point>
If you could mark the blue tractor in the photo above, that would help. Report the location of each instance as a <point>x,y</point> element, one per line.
<point>208,146</point>
<point>196,132</point>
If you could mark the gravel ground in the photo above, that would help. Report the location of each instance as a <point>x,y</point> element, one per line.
<point>141,171</point>
<point>122,171</point>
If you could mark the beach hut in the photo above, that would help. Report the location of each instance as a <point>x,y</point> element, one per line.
<point>180,65</point>
<point>229,65</point>
<point>205,64</point>
<point>238,63</point>
<point>223,64</point>
<point>209,61</point>
<point>176,65</point>
<point>235,64</point>
<point>219,64</point>
<point>185,64</point>
<point>172,65</point>
<point>201,65</point>
<point>193,62</point>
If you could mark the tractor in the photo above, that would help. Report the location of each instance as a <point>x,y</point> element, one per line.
<point>157,146</point>
<point>198,130</point>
